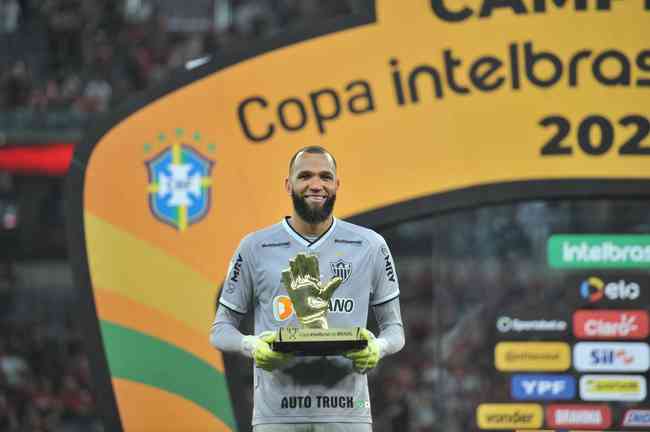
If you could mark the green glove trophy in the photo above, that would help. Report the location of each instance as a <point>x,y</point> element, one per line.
<point>311,303</point>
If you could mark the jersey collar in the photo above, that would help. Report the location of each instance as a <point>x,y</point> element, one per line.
<point>303,241</point>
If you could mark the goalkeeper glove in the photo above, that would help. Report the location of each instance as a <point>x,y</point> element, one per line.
<point>258,348</point>
<point>367,358</point>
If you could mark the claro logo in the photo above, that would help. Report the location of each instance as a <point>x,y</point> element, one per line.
<point>532,356</point>
<point>595,289</point>
<point>610,324</point>
<point>509,416</point>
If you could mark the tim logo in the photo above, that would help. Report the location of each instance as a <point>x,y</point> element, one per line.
<point>542,387</point>
<point>342,269</point>
<point>179,186</point>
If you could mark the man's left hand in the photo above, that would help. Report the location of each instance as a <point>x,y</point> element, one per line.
<point>367,358</point>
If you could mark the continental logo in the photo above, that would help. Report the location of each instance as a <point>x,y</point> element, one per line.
<point>626,388</point>
<point>509,416</point>
<point>532,356</point>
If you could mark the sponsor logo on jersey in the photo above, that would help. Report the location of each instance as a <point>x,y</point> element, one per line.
<point>636,418</point>
<point>179,186</point>
<point>509,416</point>
<point>341,305</point>
<point>542,387</point>
<point>629,388</point>
<point>278,244</point>
<point>388,264</point>
<point>610,324</point>
<point>350,242</point>
<point>578,416</point>
<point>506,324</point>
<point>332,402</point>
<point>283,307</point>
<point>595,289</point>
<point>342,269</point>
<point>532,356</point>
<point>611,356</point>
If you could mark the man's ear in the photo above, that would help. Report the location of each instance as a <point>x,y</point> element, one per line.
<point>287,185</point>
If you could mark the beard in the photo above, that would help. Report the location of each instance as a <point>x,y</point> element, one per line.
<point>316,214</point>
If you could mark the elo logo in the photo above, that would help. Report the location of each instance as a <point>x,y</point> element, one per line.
<point>542,387</point>
<point>594,289</point>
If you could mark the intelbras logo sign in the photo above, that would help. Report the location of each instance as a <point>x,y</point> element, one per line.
<point>599,251</point>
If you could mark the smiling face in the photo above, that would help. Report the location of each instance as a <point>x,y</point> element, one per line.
<point>312,184</point>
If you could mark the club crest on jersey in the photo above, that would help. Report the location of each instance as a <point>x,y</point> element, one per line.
<point>342,269</point>
<point>179,186</point>
<point>282,308</point>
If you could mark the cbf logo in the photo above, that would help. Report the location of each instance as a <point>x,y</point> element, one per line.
<point>179,185</point>
<point>342,269</point>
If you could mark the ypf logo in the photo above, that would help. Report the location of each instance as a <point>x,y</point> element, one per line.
<point>595,289</point>
<point>282,308</point>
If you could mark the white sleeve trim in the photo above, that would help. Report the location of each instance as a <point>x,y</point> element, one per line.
<point>231,306</point>
<point>385,299</point>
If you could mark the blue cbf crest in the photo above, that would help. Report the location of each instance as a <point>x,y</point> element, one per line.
<point>179,186</point>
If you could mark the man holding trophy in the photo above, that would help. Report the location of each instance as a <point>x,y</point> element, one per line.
<point>310,281</point>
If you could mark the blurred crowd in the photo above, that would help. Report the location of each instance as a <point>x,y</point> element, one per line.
<point>90,55</point>
<point>44,378</point>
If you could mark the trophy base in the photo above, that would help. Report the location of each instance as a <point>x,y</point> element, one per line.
<point>318,342</point>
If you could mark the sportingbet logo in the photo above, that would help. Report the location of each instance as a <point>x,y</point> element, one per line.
<point>542,387</point>
<point>595,289</point>
<point>599,251</point>
<point>610,324</point>
<point>636,418</point>
<point>611,356</point>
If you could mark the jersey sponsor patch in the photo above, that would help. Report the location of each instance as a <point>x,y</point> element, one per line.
<point>282,308</point>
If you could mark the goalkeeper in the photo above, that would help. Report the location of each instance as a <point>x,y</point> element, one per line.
<point>356,272</point>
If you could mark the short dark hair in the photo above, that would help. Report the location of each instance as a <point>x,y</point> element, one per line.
<point>313,150</point>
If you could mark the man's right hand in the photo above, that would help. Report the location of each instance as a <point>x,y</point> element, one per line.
<point>259,349</point>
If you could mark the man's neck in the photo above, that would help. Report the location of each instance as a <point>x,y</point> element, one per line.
<point>309,230</point>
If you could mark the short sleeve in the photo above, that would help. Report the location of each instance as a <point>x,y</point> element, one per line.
<point>237,290</point>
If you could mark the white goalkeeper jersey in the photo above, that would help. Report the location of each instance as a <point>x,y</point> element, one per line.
<point>311,389</point>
